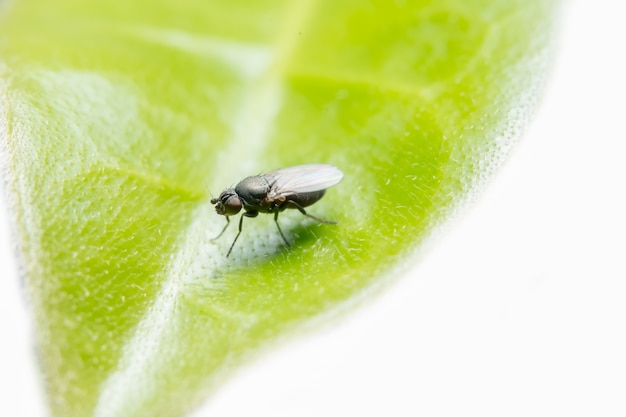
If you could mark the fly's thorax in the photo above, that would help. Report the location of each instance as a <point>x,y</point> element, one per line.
<point>252,191</point>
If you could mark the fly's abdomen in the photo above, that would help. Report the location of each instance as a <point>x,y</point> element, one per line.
<point>305,199</point>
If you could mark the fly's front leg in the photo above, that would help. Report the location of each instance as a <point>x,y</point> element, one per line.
<point>246,214</point>
<point>224,229</point>
<point>303,211</point>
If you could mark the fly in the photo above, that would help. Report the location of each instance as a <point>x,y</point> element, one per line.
<point>295,187</point>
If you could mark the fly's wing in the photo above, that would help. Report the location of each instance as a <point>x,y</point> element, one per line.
<point>302,179</point>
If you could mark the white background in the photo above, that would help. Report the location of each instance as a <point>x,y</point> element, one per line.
<point>519,310</point>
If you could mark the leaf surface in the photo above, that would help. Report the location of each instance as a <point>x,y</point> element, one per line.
<point>119,117</point>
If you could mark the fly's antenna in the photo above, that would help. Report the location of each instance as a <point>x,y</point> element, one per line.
<point>208,190</point>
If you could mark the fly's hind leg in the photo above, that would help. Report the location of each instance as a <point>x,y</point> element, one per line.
<point>303,211</point>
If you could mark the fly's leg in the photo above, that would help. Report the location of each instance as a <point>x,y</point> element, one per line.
<point>246,214</point>
<point>279,229</point>
<point>303,211</point>
<point>224,229</point>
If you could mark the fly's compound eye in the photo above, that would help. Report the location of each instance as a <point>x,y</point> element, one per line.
<point>228,203</point>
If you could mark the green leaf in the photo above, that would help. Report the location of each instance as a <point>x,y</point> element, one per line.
<point>118,116</point>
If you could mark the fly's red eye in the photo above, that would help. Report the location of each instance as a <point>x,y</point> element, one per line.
<point>232,205</point>
<point>228,203</point>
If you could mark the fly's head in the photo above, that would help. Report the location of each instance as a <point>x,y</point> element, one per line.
<point>228,203</point>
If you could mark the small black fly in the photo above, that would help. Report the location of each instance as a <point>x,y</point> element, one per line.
<point>295,187</point>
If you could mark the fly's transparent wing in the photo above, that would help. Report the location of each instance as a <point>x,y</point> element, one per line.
<point>303,179</point>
